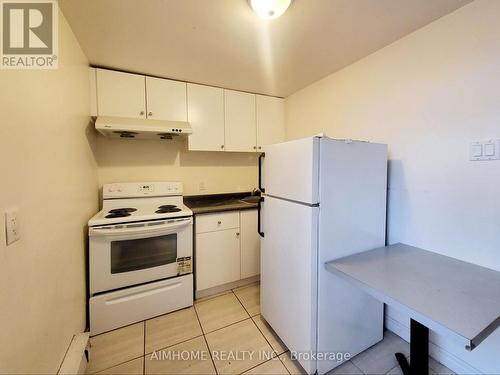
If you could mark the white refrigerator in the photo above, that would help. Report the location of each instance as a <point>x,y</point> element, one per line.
<point>323,199</point>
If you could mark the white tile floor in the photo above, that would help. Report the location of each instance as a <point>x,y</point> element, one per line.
<point>216,336</point>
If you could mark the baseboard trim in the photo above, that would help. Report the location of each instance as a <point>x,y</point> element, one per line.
<point>441,355</point>
<point>224,288</point>
<point>75,360</point>
<point>451,361</point>
<point>397,327</point>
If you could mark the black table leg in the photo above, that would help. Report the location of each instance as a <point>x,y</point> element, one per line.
<point>419,351</point>
<point>403,363</point>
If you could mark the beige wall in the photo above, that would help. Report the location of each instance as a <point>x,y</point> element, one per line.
<point>122,160</point>
<point>49,173</point>
<point>427,96</point>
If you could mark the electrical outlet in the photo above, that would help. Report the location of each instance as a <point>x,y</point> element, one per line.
<point>12,226</point>
<point>202,186</point>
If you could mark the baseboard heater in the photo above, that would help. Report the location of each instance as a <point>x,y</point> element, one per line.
<point>76,358</point>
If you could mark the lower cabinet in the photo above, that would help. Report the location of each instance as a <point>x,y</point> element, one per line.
<point>250,244</point>
<point>217,258</point>
<point>227,248</point>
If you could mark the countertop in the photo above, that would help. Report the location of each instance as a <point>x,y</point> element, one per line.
<point>202,204</point>
<point>449,296</point>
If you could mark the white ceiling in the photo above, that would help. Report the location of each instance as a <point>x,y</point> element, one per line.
<point>223,43</point>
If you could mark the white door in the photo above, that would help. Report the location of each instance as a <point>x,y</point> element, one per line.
<point>240,126</point>
<point>291,170</point>
<point>288,289</point>
<point>166,99</point>
<point>250,244</point>
<point>206,116</point>
<point>270,120</point>
<point>217,258</point>
<point>121,94</point>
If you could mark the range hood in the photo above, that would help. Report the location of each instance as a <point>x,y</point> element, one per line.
<point>131,128</point>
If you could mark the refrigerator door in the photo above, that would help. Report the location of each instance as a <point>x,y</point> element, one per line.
<point>353,188</point>
<point>291,170</point>
<point>288,274</point>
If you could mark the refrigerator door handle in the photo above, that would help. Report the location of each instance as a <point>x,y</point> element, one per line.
<point>261,156</point>
<point>258,216</point>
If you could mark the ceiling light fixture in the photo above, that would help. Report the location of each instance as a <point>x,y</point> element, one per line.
<point>269,9</point>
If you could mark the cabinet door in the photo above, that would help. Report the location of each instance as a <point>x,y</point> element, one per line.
<point>217,258</point>
<point>217,221</point>
<point>250,244</point>
<point>240,129</point>
<point>166,99</point>
<point>270,120</point>
<point>93,91</point>
<point>120,94</point>
<point>206,116</point>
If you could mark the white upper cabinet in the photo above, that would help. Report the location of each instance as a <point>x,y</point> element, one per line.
<point>93,91</point>
<point>120,94</point>
<point>270,120</point>
<point>206,117</point>
<point>240,131</point>
<point>222,120</point>
<point>166,99</point>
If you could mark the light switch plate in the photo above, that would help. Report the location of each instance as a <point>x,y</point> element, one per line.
<point>12,233</point>
<point>485,150</point>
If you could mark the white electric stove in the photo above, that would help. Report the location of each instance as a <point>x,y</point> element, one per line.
<point>140,254</point>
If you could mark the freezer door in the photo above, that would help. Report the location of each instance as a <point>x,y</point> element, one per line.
<point>288,274</point>
<point>291,170</point>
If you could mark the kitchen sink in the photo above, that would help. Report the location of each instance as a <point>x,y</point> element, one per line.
<point>252,199</point>
<point>225,202</point>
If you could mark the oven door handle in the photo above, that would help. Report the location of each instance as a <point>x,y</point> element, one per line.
<point>145,229</point>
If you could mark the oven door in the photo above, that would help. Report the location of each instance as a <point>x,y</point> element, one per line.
<point>136,253</point>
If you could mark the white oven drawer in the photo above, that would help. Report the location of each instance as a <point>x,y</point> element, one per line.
<point>117,309</point>
<point>217,221</point>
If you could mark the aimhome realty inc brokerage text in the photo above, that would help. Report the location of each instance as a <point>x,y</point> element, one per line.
<point>242,355</point>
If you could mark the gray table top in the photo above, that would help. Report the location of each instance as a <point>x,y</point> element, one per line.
<point>449,296</point>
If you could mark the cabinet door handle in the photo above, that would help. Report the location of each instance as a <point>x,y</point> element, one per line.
<point>150,113</point>
<point>219,222</point>
<point>222,146</point>
<point>141,113</point>
<point>255,147</point>
<point>237,234</point>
